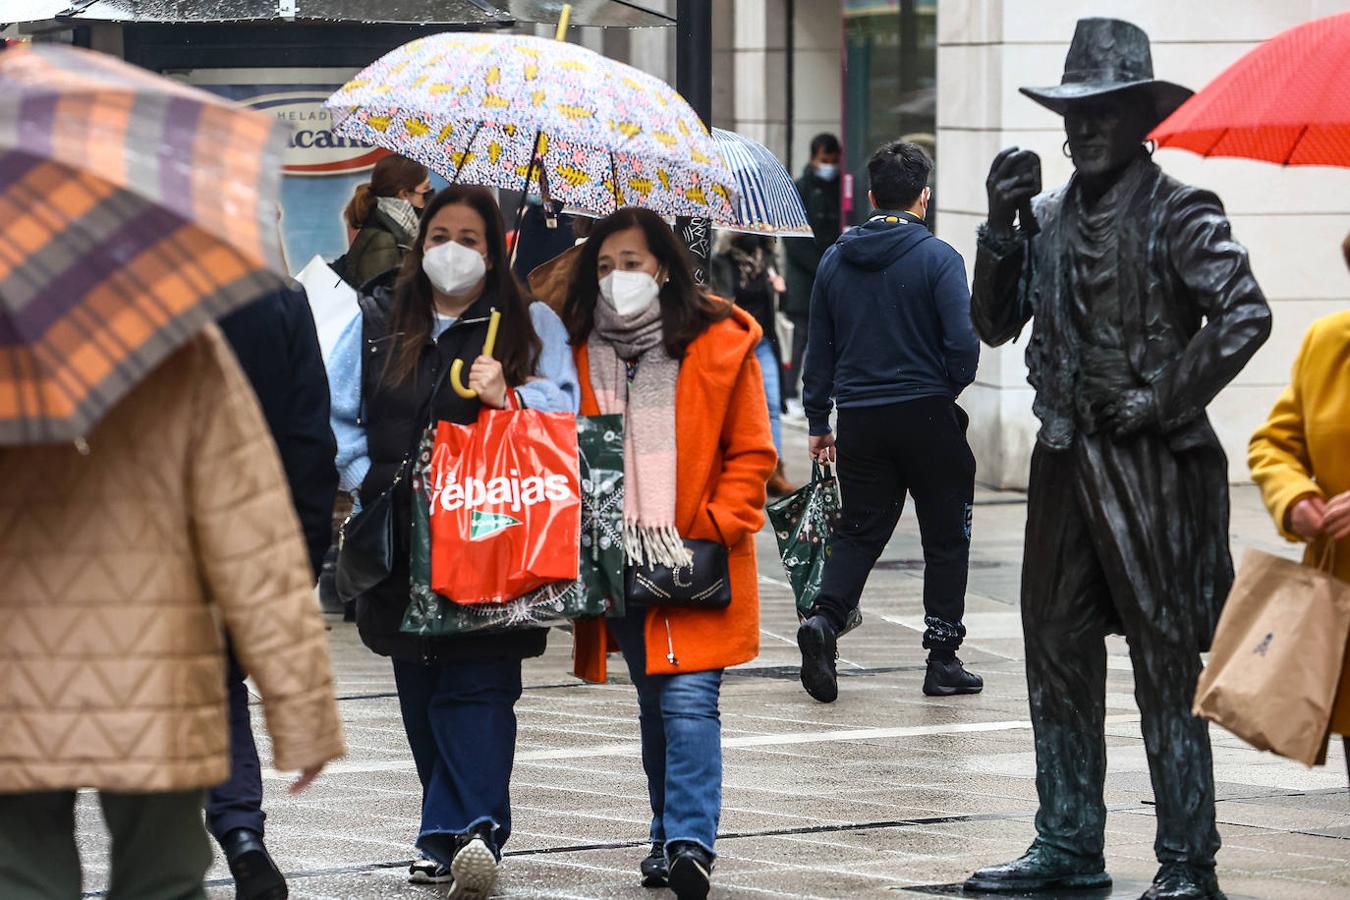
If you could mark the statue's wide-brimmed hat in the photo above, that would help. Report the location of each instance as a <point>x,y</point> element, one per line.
<point>1109,56</point>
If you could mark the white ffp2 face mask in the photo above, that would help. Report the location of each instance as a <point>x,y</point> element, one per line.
<point>453,268</point>
<point>629,292</point>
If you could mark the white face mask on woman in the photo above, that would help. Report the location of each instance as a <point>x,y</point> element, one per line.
<point>629,292</point>
<point>453,268</point>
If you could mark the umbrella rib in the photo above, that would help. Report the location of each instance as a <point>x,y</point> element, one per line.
<point>464,156</point>
<point>1294,146</point>
<point>525,193</point>
<point>1222,134</point>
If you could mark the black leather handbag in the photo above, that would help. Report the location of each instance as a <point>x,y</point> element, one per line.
<point>706,584</point>
<point>366,545</point>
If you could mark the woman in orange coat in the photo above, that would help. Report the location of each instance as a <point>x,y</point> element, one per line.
<point>681,367</point>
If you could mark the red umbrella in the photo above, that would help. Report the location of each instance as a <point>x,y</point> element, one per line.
<point>1287,102</point>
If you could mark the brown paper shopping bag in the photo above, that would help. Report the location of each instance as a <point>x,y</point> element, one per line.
<point>1276,660</point>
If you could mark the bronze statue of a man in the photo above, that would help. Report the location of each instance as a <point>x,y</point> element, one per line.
<point>1142,308</point>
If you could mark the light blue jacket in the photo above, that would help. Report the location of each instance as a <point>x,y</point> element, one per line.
<point>557,392</point>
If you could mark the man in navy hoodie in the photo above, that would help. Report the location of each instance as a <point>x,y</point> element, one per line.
<point>892,345</point>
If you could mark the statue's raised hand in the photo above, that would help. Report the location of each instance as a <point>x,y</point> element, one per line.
<point>1014,178</point>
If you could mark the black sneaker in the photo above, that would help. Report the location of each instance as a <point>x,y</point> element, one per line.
<point>948,677</point>
<point>256,876</point>
<point>816,640</point>
<point>428,871</point>
<point>655,874</point>
<point>474,868</point>
<point>690,871</point>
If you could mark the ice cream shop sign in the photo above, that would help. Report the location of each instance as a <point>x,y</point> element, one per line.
<point>313,148</point>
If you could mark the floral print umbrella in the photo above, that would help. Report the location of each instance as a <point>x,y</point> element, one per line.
<point>478,107</point>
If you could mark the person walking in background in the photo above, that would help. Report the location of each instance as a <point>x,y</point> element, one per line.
<point>387,373</point>
<point>819,187</point>
<point>277,346</point>
<point>651,346</point>
<point>1301,460</point>
<point>743,270</point>
<point>174,517</point>
<point>892,345</point>
<point>382,219</point>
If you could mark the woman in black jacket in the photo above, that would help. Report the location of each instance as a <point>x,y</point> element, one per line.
<point>387,375</point>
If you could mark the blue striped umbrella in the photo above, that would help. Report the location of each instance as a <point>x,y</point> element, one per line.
<point>767,201</point>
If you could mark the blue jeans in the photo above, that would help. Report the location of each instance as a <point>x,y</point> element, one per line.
<point>772,369</point>
<point>461,726</point>
<point>681,741</point>
<point>238,802</point>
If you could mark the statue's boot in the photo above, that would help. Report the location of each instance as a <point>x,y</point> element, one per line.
<point>1179,881</point>
<point>1042,868</point>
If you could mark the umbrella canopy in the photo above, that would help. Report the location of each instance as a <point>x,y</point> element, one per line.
<point>1287,101</point>
<point>478,108</point>
<point>767,201</point>
<point>133,211</point>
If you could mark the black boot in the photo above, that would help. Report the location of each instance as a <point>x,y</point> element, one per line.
<point>256,876</point>
<point>816,640</point>
<point>1042,868</point>
<point>1179,881</point>
<point>949,676</point>
<point>655,874</point>
<point>690,871</point>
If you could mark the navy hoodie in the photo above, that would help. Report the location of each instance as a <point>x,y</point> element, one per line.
<point>890,320</point>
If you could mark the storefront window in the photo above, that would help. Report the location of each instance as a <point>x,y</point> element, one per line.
<point>890,83</point>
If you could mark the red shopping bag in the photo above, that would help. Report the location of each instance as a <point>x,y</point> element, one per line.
<point>505,510</point>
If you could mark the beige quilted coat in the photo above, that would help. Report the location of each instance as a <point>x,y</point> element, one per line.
<point>117,569</point>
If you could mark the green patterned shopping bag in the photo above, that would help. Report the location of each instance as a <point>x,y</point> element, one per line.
<point>600,446</point>
<point>804,522</point>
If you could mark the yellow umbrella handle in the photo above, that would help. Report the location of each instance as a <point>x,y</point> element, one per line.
<point>563,19</point>
<point>457,367</point>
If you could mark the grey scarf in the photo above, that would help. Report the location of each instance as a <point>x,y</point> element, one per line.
<point>402,213</point>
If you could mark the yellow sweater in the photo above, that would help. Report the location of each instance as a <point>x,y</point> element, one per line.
<point>1304,447</point>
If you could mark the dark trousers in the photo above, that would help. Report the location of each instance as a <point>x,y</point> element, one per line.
<point>917,448</point>
<point>1074,593</point>
<point>160,850</point>
<point>238,802</point>
<point>461,726</point>
<point>792,382</point>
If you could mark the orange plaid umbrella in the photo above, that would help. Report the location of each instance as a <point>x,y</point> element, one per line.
<point>133,211</point>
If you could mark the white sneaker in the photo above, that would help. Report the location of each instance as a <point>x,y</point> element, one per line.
<point>475,871</point>
<point>795,412</point>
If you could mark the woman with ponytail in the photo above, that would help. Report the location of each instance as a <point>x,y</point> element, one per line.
<point>383,216</point>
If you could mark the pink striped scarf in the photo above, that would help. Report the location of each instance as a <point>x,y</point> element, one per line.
<point>647,403</point>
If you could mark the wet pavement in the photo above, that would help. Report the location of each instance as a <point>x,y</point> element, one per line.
<point>885,793</point>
